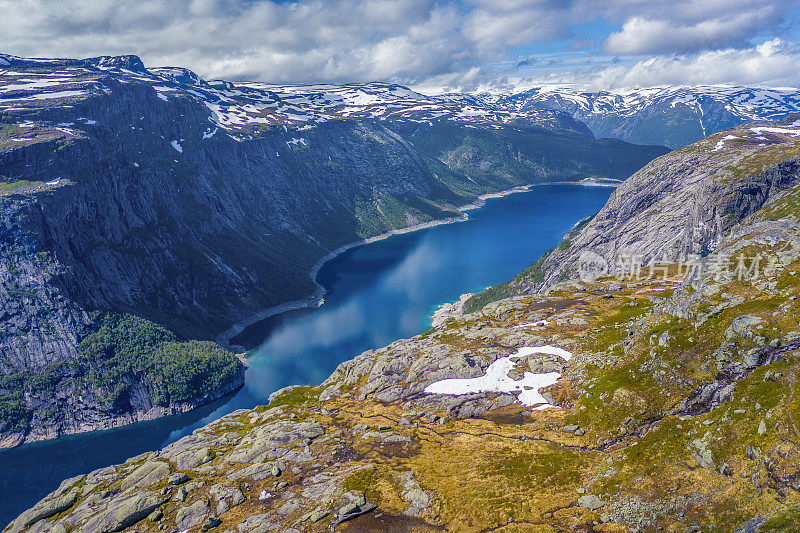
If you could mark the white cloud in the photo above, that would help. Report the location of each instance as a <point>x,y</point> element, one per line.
<point>427,43</point>
<point>690,26</point>
<point>495,26</point>
<point>308,40</point>
<point>302,41</point>
<point>772,63</point>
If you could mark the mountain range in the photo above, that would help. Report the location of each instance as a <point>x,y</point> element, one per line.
<point>673,116</point>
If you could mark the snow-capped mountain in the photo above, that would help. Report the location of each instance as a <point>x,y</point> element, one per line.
<point>243,109</point>
<point>673,115</point>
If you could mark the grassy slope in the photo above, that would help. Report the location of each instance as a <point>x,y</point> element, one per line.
<point>634,387</point>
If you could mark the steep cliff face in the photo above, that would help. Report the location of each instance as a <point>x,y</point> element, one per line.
<point>195,205</point>
<point>192,238</point>
<point>678,207</point>
<point>661,403</point>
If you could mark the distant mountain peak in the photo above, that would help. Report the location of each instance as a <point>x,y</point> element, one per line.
<point>244,109</point>
<point>672,115</point>
<point>180,75</point>
<point>129,62</point>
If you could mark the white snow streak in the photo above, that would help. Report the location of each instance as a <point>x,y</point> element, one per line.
<point>533,324</point>
<point>785,131</point>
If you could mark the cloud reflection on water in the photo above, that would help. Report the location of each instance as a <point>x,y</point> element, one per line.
<point>310,348</point>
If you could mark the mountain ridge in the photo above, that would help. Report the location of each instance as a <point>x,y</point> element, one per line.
<point>672,115</point>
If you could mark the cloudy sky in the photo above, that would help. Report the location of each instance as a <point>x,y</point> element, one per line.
<point>430,45</point>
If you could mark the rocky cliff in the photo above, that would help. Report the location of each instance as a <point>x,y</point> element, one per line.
<point>194,205</point>
<point>679,207</point>
<point>656,402</point>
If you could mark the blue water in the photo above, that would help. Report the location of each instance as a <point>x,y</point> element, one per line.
<point>376,294</point>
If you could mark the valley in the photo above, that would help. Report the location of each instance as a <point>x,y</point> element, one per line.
<point>374,295</point>
<point>671,407</point>
<point>194,206</point>
<point>625,361</point>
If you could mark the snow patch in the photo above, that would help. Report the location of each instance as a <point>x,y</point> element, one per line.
<point>296,141</point>
<point>161,90</point>
<point>496,379</point>
<point>784,131</point>
<point>46,96</point>
<point>177,146</point>
<point>721,144</point>
<point>29,84</point>
<point>532,324</point>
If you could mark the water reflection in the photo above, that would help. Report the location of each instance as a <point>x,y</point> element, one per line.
<point>377,294</point>
<point>388,290</point>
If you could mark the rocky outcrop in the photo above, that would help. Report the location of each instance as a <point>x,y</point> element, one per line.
<point>447,312</point>
<point>81,408</point>
<point>677,208</point>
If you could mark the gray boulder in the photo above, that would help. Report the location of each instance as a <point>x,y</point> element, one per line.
<point>148,473</point>
<point>256,524</point>
<point>590,501</point>
<point>124,513</point>
<point>193,515</point>
<point>44,509</point>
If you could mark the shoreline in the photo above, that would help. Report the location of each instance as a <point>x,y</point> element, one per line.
<point>314,300</point>
<point>453,310</point>
<point>317,297</point>
<point>450,311</point>
<point>13,440</point>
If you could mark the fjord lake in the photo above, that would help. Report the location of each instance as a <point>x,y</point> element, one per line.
<point>376,293</point>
